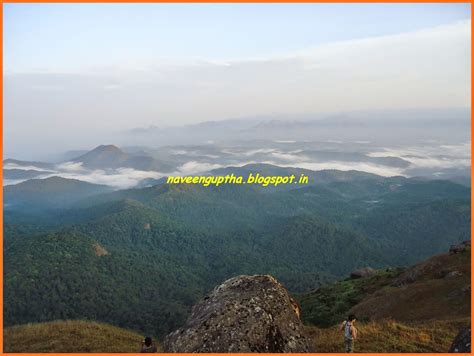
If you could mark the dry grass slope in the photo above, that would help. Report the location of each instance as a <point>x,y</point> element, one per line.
<point>392,336</point>
<point>420,309</point>
<point>438,288</point>
<point>70,336</point>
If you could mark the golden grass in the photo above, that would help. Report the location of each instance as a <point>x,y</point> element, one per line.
<point>391,336</point>
<point>71,336</point>
<point>431,295</point>
<point>86,336</point>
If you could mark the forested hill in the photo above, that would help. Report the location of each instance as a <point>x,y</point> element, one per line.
<point>122,256</point>
<point>390,317</point>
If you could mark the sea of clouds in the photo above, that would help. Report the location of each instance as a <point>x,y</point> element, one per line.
<point>433,159</point>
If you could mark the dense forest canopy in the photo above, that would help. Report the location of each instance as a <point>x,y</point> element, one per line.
<point>140,258</point>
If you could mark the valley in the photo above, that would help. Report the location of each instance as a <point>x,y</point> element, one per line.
<point>167,245</point>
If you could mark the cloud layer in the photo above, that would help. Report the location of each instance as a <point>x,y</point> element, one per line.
<point>429,160</point>
<point>427,68</point>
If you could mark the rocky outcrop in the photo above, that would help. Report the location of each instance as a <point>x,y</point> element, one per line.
<point>452,274</point>
<point>435,263</point>
<point>457,248</point>
<point>362,272</point>
<point>462,342</point>
<point>243,314</point>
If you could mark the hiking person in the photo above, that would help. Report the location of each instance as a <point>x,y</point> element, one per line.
<point>350,332</point>
<point>147,345</point>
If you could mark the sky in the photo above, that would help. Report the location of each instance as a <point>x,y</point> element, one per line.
<point>76,72</point>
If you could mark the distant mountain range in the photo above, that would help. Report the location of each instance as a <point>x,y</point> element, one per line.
<point>139,166</point>
<point>98,165</point>
<point>409,118</point>
<point>101,157</point>
<point>405,126</point>
<point>24,174</point>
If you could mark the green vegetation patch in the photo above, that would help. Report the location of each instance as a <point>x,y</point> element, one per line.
<point>328,305</point>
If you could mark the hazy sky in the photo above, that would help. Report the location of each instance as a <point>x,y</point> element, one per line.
<point>74,72</point>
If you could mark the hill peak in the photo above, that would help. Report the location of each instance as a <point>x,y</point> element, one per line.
<point>54,182</point>
<point>103,156</point>
<point>107,148</point>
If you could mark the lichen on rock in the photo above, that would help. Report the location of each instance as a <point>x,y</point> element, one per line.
<point>243,314</point>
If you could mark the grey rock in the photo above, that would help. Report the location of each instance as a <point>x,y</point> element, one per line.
<point>457,248</point>
<point>462,342</point>
<point>416,272</point>
<point>243,314</point>
<point>453,274</point>
<point>362,272</point>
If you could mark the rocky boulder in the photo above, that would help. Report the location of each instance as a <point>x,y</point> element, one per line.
<point>462,342</point>
<point>362,272</point>
<point>243,314</point>
<point>457,248</point>
<point>452,274</point>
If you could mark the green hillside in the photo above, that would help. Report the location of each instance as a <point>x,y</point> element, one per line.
<point>330,304</point>
<point>415,309</point>
<point>152,266</point>
<point>166,246</point>
<point>435,289</point>
<point>389,317</point>
<point>49,193</point>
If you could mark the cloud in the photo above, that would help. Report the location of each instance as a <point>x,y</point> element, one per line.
<point>121,178</point>
<point>288,157</point>
<point>261,150</point>
<point>70,167</point>
<point>112,87</point>
<point>13,181</point>
<point>429,162</point>
<point>194,167</point>
<point>24,167</point>
<point>426,68</point>
<point>427,158</point>
<point>179,152</point>
<point>192,153</point>
<point>345,166</point>
<point>433,156</point>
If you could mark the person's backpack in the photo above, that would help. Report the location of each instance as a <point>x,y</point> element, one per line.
<point>347,330</point>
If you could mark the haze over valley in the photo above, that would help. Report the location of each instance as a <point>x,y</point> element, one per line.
<point>400,146</point>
